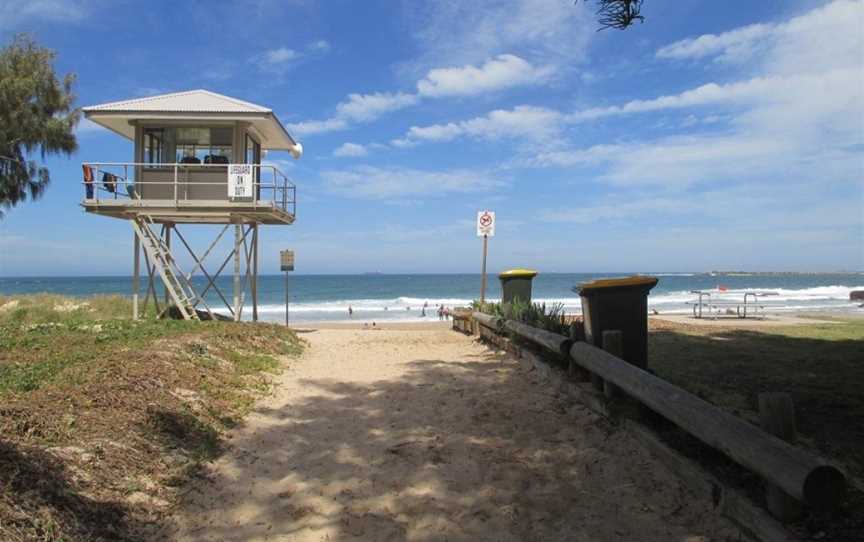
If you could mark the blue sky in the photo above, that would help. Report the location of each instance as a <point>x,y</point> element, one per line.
<point>716,135</point>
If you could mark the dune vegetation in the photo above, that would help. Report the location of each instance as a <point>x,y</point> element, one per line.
<point>103,419</point>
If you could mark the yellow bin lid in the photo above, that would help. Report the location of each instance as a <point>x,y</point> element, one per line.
<point>625,282</point>
<point>518,274</point>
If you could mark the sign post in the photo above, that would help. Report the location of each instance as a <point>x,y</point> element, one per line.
<point>485,229</point>
<point>286,260</point>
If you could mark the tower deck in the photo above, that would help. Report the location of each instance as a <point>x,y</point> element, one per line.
<point>191,211</point>
<point>188,194</point>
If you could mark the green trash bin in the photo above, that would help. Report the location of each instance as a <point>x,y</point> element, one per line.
<point>619,304</point>
<point>516,284</point>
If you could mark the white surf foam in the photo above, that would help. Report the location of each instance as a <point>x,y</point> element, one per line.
<point>409,308</point>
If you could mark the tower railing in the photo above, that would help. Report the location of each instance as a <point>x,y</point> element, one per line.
<point>126,180</point>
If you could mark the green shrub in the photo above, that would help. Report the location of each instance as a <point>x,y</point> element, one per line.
<point>551,318</point>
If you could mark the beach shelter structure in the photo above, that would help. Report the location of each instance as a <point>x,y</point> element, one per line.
<point>197,160</point>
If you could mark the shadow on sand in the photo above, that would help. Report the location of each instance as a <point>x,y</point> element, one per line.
<point>467,450</point>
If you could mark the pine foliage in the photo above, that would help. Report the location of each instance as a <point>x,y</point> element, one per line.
<point>37,118</point>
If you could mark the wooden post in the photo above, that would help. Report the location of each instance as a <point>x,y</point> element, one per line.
<point>255,273</point>
<point>577,333</point>
<point>613,342</point>
<point>237,242</point>
<point>136,274</point>
<point>483,272</point>
<point>777,416</point>
<point>801,474</point>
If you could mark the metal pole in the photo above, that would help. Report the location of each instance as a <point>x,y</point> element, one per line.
<point>136,272</point>
<point>237,235</point>
<point>483,272</point>
<point>168,246</point>
<point>255,274</point>
<point>286,299</point>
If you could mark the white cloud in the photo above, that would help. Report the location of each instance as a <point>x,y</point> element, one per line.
<point>505,71</point>
<point>281,59</point>
<point>321,46</point>
<point>367,107</point>
<point>357,108</point>
<point>317,126</point>
<point>366,182</point>
<point>502,72</point>
<point>800,119</point>
<point>780,176</point>
<point>625,209</point>
<point>279,56</point>
<point>488,45</point>
<point>708,94</point>
<point>834,30</point>
<point>732,46</point>
<point>15,12</point>
<point>526,122</point>
<point>453,32</point>
<point>350,149</point>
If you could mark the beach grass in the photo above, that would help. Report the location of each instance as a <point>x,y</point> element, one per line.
<point>820,365</point>
<point>104,418</point>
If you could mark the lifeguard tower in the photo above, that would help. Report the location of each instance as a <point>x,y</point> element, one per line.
<point>197,161</point>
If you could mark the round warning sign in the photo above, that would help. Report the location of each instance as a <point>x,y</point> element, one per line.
<point>485,223</point>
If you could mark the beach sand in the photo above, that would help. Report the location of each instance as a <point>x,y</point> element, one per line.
<point>768,320</point>
<point>361,325</point>
<point>425,434</point>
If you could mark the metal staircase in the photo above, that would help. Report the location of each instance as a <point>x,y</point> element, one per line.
<point>178,285</point>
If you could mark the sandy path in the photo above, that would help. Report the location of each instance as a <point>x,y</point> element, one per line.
<point>427,435</point>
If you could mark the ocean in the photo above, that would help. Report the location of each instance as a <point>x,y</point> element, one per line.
<point>383,297</point>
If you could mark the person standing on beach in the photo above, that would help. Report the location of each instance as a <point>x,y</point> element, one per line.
<point>350,311</point>
<point>440,312</point>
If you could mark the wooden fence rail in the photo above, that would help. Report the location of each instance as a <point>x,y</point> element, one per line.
<point>487,320</point>
<point>552,341</point>
<point>797,472</point>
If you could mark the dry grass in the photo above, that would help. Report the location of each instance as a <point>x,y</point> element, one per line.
<point>820,365</point>
<point>104,419</point>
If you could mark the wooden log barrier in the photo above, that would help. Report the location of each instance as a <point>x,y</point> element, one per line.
<point>613,342</point>
<point>800,474</point>
<point>551,341</point>
<point>460,323</point>
<point>777,416</point>
<point>487,320</point>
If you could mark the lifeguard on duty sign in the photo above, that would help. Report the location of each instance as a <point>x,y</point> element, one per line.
<point>239,181</point>
<point>486,224</point>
